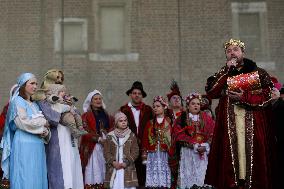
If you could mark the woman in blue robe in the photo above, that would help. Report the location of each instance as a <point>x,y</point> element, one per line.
<point>26,131</point>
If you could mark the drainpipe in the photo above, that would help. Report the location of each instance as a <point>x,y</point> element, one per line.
<point>62,34</point>
<point>179,44</point>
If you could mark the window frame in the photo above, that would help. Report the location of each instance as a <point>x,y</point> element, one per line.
<point>58,35</point>
<point>259,8</point>
<point>112,55</point>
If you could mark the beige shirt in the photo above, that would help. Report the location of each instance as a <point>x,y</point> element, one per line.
<point>34,125</point>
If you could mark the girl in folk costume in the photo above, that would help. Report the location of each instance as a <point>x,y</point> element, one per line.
<point>26,131</point>
<point>97,122</point>
<point>191,137</point>
<point>156,143</point>
<point>120,151</point>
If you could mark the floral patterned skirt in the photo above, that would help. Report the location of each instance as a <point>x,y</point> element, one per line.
<point>192,168</point>
<point>158,173</point>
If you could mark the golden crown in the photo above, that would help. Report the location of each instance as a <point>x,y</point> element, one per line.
<point>234,42</point>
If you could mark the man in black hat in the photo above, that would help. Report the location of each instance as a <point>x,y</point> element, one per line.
<point>138,115</point>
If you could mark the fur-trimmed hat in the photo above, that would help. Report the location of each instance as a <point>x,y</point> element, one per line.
<point>52,91</point>
<point>174,90</point>
<point>137,85</point>
<point>55,89</point>
<point>51,77</point>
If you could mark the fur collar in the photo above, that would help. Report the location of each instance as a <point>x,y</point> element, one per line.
<point>249,66</point>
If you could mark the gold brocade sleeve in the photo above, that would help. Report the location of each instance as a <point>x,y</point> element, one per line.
<point>216,83</point>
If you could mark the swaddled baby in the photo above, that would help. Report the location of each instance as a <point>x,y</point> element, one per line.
<point>63,103</point>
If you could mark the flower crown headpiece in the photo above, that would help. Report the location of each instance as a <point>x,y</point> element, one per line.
<point>161,100</point>
<point>234,42</point>
<point>193,95</point>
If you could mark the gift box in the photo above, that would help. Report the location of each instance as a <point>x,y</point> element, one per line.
<point>246,82</point>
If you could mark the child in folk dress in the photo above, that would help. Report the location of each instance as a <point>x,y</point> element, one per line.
<point>191,137</point>
<point>156,143</point>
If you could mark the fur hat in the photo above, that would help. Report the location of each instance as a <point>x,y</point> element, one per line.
<point>52,92</point>
<point>174,90</point>
<point>137,85</point>
<point>55,89</point>
<point>51,77</point>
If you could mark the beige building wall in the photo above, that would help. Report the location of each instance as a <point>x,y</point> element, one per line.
<point>111,43</point>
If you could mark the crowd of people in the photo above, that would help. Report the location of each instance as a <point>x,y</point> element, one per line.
<point>174,143</point>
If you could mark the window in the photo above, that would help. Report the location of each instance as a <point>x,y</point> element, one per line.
<point>250,25</point>
<point>112,31</point>
<point>75,35</point>
<point>249,31</point>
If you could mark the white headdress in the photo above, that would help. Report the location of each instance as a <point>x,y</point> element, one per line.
<point>88,100</point>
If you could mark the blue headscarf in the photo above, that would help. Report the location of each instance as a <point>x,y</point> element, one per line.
<point>8,134</point>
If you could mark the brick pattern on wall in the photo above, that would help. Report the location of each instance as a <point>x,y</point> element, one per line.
<point>174,40</point>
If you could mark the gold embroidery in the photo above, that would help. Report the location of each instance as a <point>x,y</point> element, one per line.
<point>222,75</point>
<point>231,133</point>
<point>249,145</point>
<point>241,139</point>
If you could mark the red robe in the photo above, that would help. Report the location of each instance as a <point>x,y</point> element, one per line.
<point>88,142</point>
<point>223,164</point>
<point>2,125</point>
<point>2,119</point>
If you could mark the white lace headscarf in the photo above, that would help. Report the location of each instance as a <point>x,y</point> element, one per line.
<point>88,100</point>
<point>13,89</point>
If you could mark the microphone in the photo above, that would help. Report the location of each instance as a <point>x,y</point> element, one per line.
<point>234,62</point>
<point>233,67</point>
